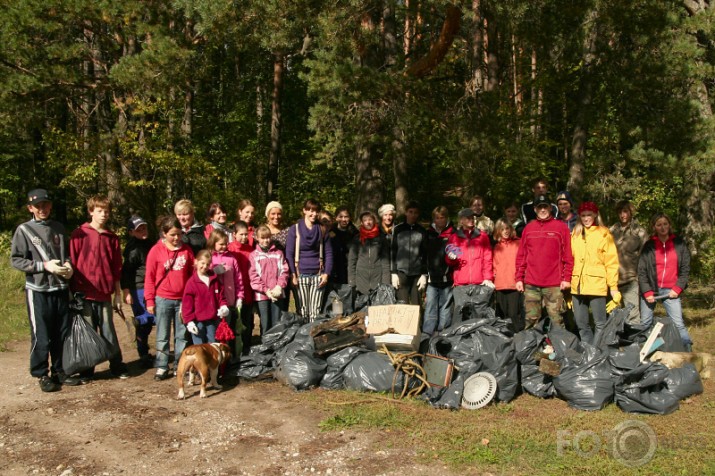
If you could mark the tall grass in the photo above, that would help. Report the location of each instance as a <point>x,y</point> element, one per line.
<point>13,312</point>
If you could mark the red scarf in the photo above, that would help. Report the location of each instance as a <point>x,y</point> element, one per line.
<point>368,234</point>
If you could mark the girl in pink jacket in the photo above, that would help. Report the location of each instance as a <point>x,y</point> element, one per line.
<point>269,277</point>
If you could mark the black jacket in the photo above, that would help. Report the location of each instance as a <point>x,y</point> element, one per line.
<point>342,240</point>
<point>647,273</point>
<point>409,249</point>
<point>134,264</point>
<point>440,274</point>
<point>369,263</point>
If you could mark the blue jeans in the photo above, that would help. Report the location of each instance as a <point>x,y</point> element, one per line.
<point>438,309</point>
<point>270,313</point>
<point>207,332</point>
<point>673,309</point>
<point>168,316</point>
<point>580,315</point>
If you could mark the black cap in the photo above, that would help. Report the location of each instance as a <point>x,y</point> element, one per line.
<point>135,222</point>
<point>37,195</point>
<point>541,200</point>
<point>466,213</point>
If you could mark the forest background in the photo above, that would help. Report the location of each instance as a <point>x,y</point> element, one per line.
<point>360,103</point>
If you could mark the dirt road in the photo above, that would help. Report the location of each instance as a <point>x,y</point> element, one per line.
<point>137,426</point>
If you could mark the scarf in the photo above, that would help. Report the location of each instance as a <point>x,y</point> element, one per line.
<point>368,234</point>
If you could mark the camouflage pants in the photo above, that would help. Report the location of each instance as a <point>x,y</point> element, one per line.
<point>535,298</point>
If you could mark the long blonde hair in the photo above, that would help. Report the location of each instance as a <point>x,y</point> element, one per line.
<point>579,229</point>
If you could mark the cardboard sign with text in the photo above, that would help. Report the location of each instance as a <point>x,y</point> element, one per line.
<point>402,318</point>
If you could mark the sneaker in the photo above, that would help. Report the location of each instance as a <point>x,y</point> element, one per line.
<point>84,380</point>
<point>68,380</point>
<point>47,385</point>
<point>123,375</point>
<point>161,374</point>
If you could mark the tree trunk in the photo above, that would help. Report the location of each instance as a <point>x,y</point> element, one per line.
<point>492,45</point>
<point>369,181</point>
<point>477,52</point>
<point>399,164</point>
<point>276,121</point>
<point>581,124</point>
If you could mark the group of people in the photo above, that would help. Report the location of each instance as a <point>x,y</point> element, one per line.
<point>538,255</point>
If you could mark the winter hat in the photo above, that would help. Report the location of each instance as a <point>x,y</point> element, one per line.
<point>564,195</point>
<point>272,205</point>
<point>386,208</point>
<point>588,207</point>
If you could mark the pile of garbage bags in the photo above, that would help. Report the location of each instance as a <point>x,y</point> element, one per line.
<point>588,377</point>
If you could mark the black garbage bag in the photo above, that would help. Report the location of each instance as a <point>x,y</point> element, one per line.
<point>342,292</point>
<point>536,383</point>
<point>684,382</point>
<point>671,336</point>
<point>567,347</point>
<point>643,390</point>
<point>298,368</point>
<point>610,335</point>
<point>623,360</point>
<point>84,348</point>
<point>333,378</point>
<point>586,385</point>
<point>264,358</point>
<point>383,295</point>
<point>526,343</point>
<point>362,301</point>
<point>371,371</point>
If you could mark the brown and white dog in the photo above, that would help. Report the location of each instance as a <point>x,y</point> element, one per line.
<point>205,359</point>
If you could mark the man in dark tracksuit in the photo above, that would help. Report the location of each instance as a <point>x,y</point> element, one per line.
<point>409,257</point>
<point>40,250</point>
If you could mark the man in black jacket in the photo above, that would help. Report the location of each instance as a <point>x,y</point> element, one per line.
<point>409,257</point>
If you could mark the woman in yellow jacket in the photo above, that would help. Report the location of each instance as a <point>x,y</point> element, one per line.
<point>595,270</point>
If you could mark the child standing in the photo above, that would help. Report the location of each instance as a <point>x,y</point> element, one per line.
<point>242,250</point>
<point>133,272</point>
<point>269,277</point>
<point>203,302</point>
<point>509,301</point>
<point>97,257</point>
<point>168,268</point>
<point>225,266</point>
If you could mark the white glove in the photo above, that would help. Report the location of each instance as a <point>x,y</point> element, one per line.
<point>239,305</point>
<point>53,266</point>
<point>488,284</point>
<point>269,293</point>
<point>222,312</point>
<point>191,327</point>
<point>422,283</point>
<point>277,291</point>
<point>395,281</point>
<point>452,255</point>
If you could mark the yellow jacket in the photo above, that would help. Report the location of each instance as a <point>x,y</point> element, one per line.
<point>595,262</point>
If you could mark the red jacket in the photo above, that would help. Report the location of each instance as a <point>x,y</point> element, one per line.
<point>201,302</point>
<point>505,264</point>
<point>242,253</point>
<point>97,261</point>
<point>544,258</point>
<point>474,261</point>
<point>666,264</point>
<point>160,259</point>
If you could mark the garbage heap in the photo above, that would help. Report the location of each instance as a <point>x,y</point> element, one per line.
<point>339,353</point>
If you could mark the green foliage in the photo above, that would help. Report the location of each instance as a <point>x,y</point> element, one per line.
<point>14,323</point>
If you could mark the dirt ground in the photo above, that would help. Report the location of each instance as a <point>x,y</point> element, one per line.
<point>137,426</point>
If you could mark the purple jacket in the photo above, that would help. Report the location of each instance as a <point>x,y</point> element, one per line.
<point>268,269</point>
<point>309,255</point>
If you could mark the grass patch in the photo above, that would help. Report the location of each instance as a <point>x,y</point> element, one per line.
<point>371,415</point>
<point>13,324</point>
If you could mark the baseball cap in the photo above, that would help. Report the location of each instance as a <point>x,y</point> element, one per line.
<point>134,222</point>
<point>466,213</point>
<point>542,200</point>
<point>37,195</point>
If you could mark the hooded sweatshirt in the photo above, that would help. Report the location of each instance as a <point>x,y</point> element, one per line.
<point>97,260</point>
<point>178,264</point>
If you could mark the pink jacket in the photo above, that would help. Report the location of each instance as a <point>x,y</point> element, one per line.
<point>474,261</point>
<point>505,264</point>
<point>268,269</point>
<point>157,265</point>
<point>201,302</point>
<point>231,280</point>
<point>242,253</point>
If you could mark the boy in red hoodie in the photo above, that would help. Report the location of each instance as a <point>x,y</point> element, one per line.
<point>97,258</point>
<point>204,302</point>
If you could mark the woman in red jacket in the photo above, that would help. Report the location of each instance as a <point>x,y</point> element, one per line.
<point>168,268</point>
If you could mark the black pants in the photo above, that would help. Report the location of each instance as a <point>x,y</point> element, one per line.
<point>50,325</point>
<point>510,305</point>
<point>408,292</point>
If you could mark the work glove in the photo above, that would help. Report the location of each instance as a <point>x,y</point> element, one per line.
<point>277,291</point>
<point>239,305</point>
<point>488,283</point>
<point>222,312</point>
<point>395,281</point>
<point>422,283</point>
<point>53,266</point>
<point>614,303</point>
<point>66,271</point>
<point>568,301</point>
<point>191,327</point>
